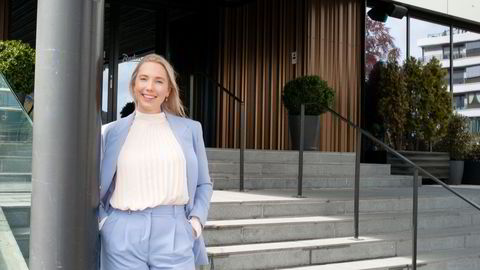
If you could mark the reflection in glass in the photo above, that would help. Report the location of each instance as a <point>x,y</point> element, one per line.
<point>15,142</point>
<point>105,94</point>
<point>429,40</point>
<point>466,74</point>
<point>384,41</point>
<point>15,125</point>
<point>125,71</point>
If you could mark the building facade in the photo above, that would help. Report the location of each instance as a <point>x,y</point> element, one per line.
<point>251,49</point>
<point>466,69</point>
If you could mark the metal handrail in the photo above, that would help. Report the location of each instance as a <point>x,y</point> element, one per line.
<point>416,170</point>
<point>241,131</point>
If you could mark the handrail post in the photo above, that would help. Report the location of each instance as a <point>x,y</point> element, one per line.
<point>242,145</point>
<point>415,219</point>
<point>357,183</point>
<point>190,104</point>
<point>300,151</point>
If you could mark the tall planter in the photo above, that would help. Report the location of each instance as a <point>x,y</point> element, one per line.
<point>311,131</point>
<point>317,96</point>
<point>471,172</point>
<point>456,172</point>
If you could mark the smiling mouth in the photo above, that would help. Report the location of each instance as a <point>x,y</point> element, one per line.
<point>148,97</point>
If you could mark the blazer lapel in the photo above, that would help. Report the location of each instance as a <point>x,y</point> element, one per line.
<point>178,126</point>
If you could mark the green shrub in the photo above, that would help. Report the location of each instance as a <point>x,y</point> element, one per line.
<point>458,138</point>
<point>393,103</point>
<point>17,63</point>
<point>308,89</point>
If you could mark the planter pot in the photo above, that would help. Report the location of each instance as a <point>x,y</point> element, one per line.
<point>456,172</point>
<point>471,172</point>
<point>312,131</point>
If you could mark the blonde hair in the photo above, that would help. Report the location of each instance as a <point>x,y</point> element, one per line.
<point>173,104</point>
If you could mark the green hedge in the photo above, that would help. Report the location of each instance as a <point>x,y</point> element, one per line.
<point>17,63</point>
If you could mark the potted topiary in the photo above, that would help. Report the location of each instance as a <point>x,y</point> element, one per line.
<point>316,94</point>
<point>457,143</point>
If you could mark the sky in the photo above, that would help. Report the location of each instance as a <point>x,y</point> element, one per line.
<point>418,29</point>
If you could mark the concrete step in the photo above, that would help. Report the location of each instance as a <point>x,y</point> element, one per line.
<point>266,256</point>
<point>15,182</point>
<point>13,177</point>
<point>271,156</point>
<point>334,250</point>
<point>20,164</point>
<point>249,231</point>
<point>227,205</point>
<point>280,170</point>
<point>15,187</point>
<point>16,149</point>
<point>452,259</point>
<point>222,182</point>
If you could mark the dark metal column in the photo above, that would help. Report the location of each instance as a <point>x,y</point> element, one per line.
<point>408,36</point>
<point>66,134</point>
<point>451,62</point>
<point>113,55</point>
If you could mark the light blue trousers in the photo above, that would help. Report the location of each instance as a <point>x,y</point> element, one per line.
<point>158,238</point>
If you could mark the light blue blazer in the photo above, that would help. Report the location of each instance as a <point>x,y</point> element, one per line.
<point>190,137</point>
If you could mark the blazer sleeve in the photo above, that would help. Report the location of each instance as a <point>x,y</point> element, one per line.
<point>203,193</point>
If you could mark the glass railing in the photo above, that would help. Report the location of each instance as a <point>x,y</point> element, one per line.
<point>15,173</point>
<point>15,124</point>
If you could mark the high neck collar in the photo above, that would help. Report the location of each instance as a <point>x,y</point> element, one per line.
<point>150,116</point>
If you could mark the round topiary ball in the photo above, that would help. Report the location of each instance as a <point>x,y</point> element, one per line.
<point>310,90</point>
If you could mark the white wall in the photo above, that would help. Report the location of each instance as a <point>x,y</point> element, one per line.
<point>466,9</point>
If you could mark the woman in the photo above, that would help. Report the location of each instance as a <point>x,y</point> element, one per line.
<point>155,188</point>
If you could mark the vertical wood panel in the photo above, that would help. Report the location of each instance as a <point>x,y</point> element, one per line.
<point>255,63</point>
<point>4,19</point>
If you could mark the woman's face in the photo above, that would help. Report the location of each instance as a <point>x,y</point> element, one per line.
<point>151,87</point>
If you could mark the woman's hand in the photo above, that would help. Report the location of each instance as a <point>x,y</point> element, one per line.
<point>197,227</point>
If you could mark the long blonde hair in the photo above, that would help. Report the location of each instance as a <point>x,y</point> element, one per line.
<point>173,104</point>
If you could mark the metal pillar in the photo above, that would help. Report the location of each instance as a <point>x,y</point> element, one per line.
<point>356,191</point>
<point>113,54</point>
<point>66,134</point>
<point>300,152</point>
<point>415,219</point>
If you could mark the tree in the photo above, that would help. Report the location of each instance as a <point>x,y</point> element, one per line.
<point>17,63</point>
<point>412,69</point>
<point>379,44</point>
<point>393,103</point>
<point>436,103</point>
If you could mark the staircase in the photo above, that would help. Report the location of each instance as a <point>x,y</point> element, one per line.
<point>268,227</point>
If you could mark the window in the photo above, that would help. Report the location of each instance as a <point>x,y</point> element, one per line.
<point>475,125</point>
<point>474,100</point>
<point>472,72</point>
<point>458,76</point>
<point>459,102</point>
<point>473,48</point>
<point>429,40</point>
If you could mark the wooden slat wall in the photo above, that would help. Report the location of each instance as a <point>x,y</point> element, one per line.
<point>334,54</point>
<point>4,18</point>
<point>254,62</point>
